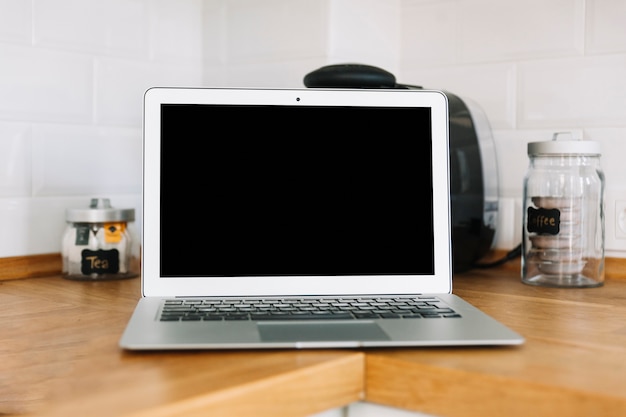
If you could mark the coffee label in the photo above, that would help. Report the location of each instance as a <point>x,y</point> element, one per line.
<point>543,221</point>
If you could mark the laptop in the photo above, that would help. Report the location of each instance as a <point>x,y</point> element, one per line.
<point>299,218</point>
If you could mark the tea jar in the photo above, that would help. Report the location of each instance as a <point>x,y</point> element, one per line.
<point>563,214</point>
<point>99,243</point>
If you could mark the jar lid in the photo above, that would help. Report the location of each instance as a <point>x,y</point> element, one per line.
<point>564,147</point>
<point>99,211</point>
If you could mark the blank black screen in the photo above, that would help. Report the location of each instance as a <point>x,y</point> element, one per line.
<point>286,190</point>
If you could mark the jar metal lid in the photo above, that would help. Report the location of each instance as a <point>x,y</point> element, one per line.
<point>564,147</point>
<point>99,211</point>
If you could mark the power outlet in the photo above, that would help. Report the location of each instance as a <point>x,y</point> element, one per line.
<point>620,220</point>
<point>615,223</point>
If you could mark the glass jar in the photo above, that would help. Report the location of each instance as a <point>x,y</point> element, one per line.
<point>99,243</point>
<point>563,234</point>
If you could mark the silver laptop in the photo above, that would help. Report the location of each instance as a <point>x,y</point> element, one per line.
<point>299,218</point>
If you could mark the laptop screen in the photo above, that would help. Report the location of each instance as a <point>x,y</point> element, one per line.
<point>267,190</point>
<point>295,191</point>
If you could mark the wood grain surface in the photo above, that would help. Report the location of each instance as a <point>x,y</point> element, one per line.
<point>59,357</point>
<point>572,364</point>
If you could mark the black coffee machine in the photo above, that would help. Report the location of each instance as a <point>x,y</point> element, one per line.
<point>473,169</point>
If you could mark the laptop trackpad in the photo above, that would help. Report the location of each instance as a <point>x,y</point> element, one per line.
<point>312,332</point>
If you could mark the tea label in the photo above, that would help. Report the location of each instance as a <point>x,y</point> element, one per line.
<point>100,262</point>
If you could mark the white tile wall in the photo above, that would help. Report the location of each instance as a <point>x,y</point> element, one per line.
<point>16,21</point>
<point>72,76</point>
<point>115,27</point>
<point>82,160</point>
<point>45,85</point>
<point>365,31</point>
<point>496,30</point>
<point>272,43</point>
<point>605,31</point>
<point>15,160</point>
<point>293,29</point>
<point>579,92</point>
<point>535,68</point>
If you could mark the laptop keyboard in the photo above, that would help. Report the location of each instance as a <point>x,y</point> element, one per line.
<point>306,308</point>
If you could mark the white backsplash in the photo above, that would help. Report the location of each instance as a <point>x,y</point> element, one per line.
<point>72,77</point>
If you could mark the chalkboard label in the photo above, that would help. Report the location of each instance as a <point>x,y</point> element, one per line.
<point>100,261</point>
<point>543,221</point>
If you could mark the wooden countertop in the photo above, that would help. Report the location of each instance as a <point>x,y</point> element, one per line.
<point>572,364</point>
<point>59,357</point>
